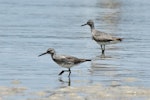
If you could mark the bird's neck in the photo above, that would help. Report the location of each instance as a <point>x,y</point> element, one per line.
<point>53,55</point>
<point>92,27</point>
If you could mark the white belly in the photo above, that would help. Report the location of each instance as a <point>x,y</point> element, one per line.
<point>103,43</point>
<point>107,43</point>
<point>66,65</point>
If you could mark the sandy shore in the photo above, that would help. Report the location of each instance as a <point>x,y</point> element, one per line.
<point>93,92</point>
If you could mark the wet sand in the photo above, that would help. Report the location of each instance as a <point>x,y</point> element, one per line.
<point>91,92</point>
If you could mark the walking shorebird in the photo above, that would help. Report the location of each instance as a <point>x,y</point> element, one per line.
<point>101,38</point>
<point>64,60</point>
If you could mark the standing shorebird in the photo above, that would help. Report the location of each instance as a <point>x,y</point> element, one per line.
<point>101,38</point>
<point>64,60</point>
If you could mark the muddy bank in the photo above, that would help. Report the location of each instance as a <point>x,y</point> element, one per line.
<point>93,92</point>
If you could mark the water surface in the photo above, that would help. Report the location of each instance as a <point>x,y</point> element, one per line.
<point>29,27</point>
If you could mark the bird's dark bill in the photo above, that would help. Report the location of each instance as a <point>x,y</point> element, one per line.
<point>43,54</point>
<point>83,24</point>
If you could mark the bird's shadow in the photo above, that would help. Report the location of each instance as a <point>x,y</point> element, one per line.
<point>102,57</point>
<point>64,81</point>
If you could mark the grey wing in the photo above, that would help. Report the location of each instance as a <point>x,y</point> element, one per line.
<point>102,36</point>
<point>72,59</point>
<point>66,59</point>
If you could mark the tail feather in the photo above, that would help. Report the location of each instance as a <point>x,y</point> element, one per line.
<point>88,60</point>
<point>83,60</point>
<point>119,39</point>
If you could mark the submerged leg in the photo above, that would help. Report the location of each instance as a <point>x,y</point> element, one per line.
<point>103,49</point>
<point>69,72</point>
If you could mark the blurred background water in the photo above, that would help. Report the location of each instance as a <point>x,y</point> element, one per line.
<point>29,27</point>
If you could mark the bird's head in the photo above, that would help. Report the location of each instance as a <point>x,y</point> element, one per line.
<point>49,51</point>
<point>89,22</point>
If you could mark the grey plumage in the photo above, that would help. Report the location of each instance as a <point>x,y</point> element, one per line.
<point>101,38</point>
<point>64,60</point>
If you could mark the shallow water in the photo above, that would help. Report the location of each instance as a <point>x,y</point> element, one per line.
<point>29,27</point>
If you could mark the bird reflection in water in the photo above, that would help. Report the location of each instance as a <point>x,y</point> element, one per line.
<point>64,82</point>
<point>102,55</point>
